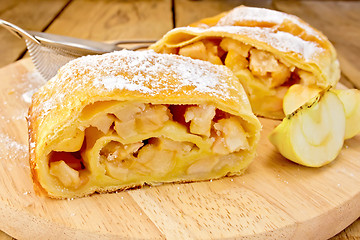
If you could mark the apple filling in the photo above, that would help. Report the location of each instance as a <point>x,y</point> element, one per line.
<point>146,143</point>
<point>265,77</point>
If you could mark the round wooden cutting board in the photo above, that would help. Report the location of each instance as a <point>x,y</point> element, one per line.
<point>274,199</point>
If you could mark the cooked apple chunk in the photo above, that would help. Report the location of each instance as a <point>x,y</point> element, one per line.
<point>235,61</point>
<point>68,176</point>
<point>306,78</point>
<point>265,66</point>
<point>162,162</point>
<point>125,129</point>
<point>230,137</point>
<point>152,118</point>
<point>127,112</point>
<point>200,118</point>
<point>103,123</point>
<point>117,170</point>
<point>195,50</point>
<point>229,44</point>
<point>204,50</point>
<point>313,135</point>
<point>115,151</point>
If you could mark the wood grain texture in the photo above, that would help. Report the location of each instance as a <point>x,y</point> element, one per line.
<point>340,22</point>
<point>187,11</point>
<point>31,15</point>
<point>275,199</point>
<point>114,20</point>
<point>351,233</point>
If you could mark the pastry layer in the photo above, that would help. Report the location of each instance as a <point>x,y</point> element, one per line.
<point>126,119</point>
<point>267,50</point>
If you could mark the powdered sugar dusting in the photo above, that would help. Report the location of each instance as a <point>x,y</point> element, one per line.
<point>261,15</point>
<point>18,96</point>
<point>33,81</point>
<point>242,13</point>
<point>10,149</point>
<point>282,41</point>
<point>111,83</point>
<point>148,72</point>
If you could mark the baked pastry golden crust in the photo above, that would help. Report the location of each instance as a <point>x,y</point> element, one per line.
<point>125,119</point>
<point>267,50</point>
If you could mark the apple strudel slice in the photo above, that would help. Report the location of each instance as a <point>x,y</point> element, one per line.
<point>125,119</point>
<point>267,50</point>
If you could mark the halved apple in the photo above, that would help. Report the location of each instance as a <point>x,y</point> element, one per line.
<point>312,135</point>
<point>351,101</point>
<point>297,95</point>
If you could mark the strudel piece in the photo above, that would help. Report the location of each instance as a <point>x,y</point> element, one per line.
<point>267,50</point>
<point>125,119</point>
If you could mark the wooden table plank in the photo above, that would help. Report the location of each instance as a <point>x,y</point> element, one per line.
<point>187,11</point>
<point>114,20</point>
<point>32,15</point>
<point>340,22</point>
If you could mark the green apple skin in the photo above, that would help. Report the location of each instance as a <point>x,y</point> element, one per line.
<point>351,101</point>
<point>313,135</point>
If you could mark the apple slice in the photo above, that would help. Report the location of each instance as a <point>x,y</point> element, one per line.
<point>312,135</point>
<point>297,95</point>
<point>351,101</point>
